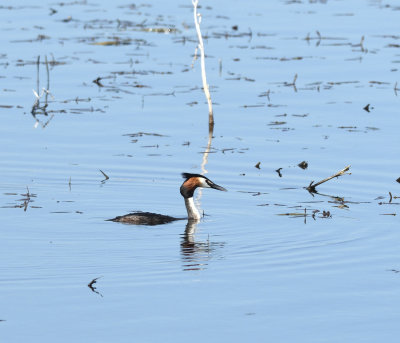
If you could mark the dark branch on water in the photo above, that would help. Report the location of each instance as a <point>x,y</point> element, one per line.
<point>105,175</point>
<point>312,186</point>
<point>93,288</point>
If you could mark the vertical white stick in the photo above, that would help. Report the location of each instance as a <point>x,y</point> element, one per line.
<point>197,20</point>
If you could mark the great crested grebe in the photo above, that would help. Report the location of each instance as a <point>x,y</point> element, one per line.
<point>192,181</point>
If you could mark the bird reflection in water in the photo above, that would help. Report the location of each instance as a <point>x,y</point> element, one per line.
<point>196,254</point>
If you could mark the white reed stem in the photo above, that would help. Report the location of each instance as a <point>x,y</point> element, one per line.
<point>197,20</point>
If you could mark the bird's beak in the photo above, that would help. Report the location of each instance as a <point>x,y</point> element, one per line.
<point>218,187</point>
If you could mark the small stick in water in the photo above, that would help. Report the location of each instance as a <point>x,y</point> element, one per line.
<point>105,175</point>
<point>311,187</point>
<point>92,287</point>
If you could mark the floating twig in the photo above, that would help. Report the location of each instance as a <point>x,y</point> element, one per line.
<point>97,82</point>
<point>312,186</point>
<point>92,287</point>
<point>105,175</point>
<point>293,84</point>
<point>367,108</point>
<point>394,270</point>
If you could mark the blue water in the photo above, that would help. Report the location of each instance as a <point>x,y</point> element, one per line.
<point>259,266</point>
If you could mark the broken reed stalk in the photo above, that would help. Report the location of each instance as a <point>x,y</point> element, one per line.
<point>48,78</point>
<point>105,175</point>
<point>197,20</point>
<point>37,74</point>
<point>311,187</point>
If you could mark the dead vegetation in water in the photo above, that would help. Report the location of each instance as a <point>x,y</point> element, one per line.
<point>303,165</point>
<point>25,202</point>
<point>135,136</point>
<point>43,110</point>
<point>390,201</point>
<point>92,286</point>
<point>333,201</point>
<point>253,193</point>
<point>141,134</point>
<point>313,185</point>
<point>118,33</point>
<point>314,214</point>
<point>106,177</point>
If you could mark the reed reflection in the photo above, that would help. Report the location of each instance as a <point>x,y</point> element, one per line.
<point>39,107</point>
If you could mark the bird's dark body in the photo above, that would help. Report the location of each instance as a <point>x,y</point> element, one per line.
<point>145,218</point>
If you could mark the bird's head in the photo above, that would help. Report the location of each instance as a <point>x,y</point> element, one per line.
<point>192,181</point>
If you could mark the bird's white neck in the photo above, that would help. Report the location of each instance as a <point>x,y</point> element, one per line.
<point>192,211</point>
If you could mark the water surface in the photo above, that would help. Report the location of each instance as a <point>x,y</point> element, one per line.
<point>266,262</point>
